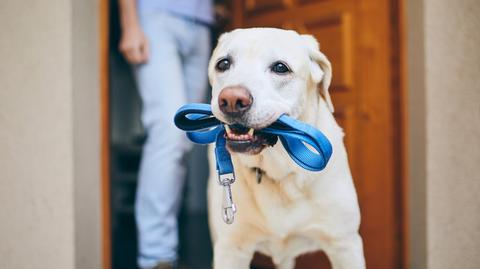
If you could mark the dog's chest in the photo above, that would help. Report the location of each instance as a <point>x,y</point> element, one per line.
<point>288,206</point>
<point>292,217</point>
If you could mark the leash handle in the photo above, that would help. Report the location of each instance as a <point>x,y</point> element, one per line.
<point>203,128</point>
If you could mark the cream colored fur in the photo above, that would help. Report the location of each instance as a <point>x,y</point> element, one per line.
<point>292,211</point>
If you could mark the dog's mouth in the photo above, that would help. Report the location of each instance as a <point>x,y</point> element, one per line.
<point>247,140</point>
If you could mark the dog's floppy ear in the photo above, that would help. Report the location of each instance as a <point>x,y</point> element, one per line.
<point>321,68</point>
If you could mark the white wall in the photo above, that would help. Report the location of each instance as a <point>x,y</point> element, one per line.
<point>49,169</point>
<point>444,80</point>
<point>86,131</point>
<point>417,135</point>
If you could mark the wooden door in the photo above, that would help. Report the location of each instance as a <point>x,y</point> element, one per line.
<point>103,62</point>
<point>361,40</point>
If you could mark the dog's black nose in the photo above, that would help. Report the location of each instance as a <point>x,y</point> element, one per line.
<point>234,101</point>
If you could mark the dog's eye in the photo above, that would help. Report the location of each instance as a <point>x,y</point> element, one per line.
<point>223,65</point>
<point>280,68</point>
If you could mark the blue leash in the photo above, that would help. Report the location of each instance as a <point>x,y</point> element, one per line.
<point>203,128</point>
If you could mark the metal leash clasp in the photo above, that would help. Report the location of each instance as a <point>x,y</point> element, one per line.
<point>229,208</point>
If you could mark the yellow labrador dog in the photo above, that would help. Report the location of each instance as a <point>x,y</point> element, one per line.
<point>256,75</point>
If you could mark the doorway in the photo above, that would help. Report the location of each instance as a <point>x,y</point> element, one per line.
<point>363,40</point>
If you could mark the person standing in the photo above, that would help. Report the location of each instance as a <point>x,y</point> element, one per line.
<point>168,44</point>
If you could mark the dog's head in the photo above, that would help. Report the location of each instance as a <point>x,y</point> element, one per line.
<point>259,74</point>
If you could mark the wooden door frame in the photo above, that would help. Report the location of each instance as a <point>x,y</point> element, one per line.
<point>104,29</point>
<point>399,85</point>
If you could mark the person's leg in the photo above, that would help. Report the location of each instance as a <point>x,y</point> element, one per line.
<point>196,61</point>
<point>161,176</point>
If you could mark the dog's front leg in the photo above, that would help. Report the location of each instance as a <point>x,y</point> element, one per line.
<point>229,256</point>
<point>346,253</point>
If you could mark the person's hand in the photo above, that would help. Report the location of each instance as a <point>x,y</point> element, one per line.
<point>134,45</point>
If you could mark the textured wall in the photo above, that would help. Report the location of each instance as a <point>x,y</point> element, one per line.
<point>417,135</point>
<point>49,215</point>
<point>36,153</point>
<point>452,43</point>
<point>444,80</point>
<point>86,133</point>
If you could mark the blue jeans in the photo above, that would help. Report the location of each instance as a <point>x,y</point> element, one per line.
<point>175,74</point>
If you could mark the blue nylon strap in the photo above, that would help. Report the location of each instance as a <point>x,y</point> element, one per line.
<point>203,128</point>
<point>224,161</point>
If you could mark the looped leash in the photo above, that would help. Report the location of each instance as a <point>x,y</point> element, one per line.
<point>203,128</point>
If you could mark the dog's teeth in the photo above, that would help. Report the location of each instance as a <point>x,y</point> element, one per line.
<point>250,132</point>
<point>227,128</point>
